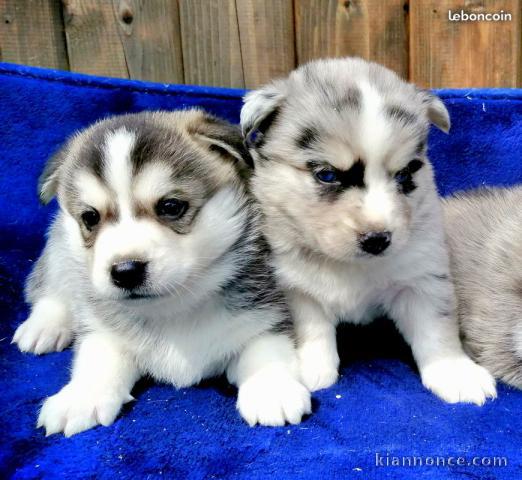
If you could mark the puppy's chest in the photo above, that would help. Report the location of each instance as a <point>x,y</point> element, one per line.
<point>200,345</point>
<point>351,294</point>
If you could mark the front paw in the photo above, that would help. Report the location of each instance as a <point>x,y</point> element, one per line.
<point>75,409</point>
<point>273,399</point>
<point>318,365</point>
<point>459,380</point>
<point>48,329</point>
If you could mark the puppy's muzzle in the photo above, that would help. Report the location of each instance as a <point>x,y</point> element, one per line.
<point>129,275</point>
<point>375,243</point>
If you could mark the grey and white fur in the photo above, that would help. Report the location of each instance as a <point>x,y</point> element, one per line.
<point>353,217</point>
<point>484,230</point>
<point>156,265</point>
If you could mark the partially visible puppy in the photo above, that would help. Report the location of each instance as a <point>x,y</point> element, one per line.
<point>484,230</point>
<point>353,216</point>
<point>156,264</point>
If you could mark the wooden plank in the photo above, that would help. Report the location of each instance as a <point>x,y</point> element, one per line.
<point>210,39</point>
<point>465,54</point>
<point>31,33</point>
<point>93,38</point>
<point>266,30</point>
<point>372,29</point>
<point>150,34</point>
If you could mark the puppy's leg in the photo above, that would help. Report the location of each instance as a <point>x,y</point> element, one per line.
<point>316,342</point>
<point>102,378</point>
<point>267,377</point>
<point>48,328</point>
<point>428,323</point>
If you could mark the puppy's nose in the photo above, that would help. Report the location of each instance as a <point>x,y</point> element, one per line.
<point>375,242</point>
<point>129,274</point>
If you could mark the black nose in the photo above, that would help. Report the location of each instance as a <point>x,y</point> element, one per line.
<point>375,242</point>
<point>129,274</point>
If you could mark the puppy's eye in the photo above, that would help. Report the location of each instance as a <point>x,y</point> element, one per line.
<point>90,218</point>
<point>172,208</point>
<point>326,175</point>
<point>404,177</point>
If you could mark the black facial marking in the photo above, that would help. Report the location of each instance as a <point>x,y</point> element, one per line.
<point>351,99</point>
<point>397,113</point>
<point>415,165</point>
<point>344,179</point>
<point>353,177</point>
<point>404,177</point>
<point>308,136</point>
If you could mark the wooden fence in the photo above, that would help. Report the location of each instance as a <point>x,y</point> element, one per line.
<point>244,43</point>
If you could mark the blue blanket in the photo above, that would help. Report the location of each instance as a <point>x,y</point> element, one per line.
<point>378,422</point>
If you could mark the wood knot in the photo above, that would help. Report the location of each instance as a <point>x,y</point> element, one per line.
<point>127,17</point>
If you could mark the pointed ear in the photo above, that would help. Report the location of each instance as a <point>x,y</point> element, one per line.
<point>260,110</point>
<point>48,181</point>
<point>437,112</point>
<point>223,138</point>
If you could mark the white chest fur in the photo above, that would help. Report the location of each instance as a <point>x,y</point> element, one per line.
<point>183,348</point>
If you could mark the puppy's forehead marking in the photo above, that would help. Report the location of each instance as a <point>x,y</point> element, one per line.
<point>350,99</point>
<point>374,129</point>
<point>117,167</point>
<point>92,191</point>
<point>397,113</point>
<point>152,182</point>
<point>307,137</point>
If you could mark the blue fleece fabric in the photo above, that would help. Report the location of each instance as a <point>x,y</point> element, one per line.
<point>379,406</point>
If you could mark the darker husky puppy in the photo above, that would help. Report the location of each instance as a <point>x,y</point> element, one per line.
<point>156,265</point>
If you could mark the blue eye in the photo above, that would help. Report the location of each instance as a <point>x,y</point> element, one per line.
<point>402,176</point>
<point>326,176</point>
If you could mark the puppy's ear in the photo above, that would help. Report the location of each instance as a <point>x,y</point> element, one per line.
<point>224,138</point>
<point>437,112</point>
<point>48,181</point>
<point>260,110</point>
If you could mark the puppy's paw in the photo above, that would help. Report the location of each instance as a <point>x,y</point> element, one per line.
<point>459,380</point>
<point>75,409</point>
<point>318,366</point>
<point>273,399</point>
<point>48,329</point>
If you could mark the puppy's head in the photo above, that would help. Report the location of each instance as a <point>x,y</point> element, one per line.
<point>151,200</point>
<point>340,154</point>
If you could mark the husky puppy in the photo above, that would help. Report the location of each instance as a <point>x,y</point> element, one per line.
<point>353,217</point>
<point>155,265</point>
<point>484,230</point>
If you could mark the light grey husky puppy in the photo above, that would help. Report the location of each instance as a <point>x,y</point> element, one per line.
<point>485,236</point>
<point>353,216</point>
<point>156,265</point>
